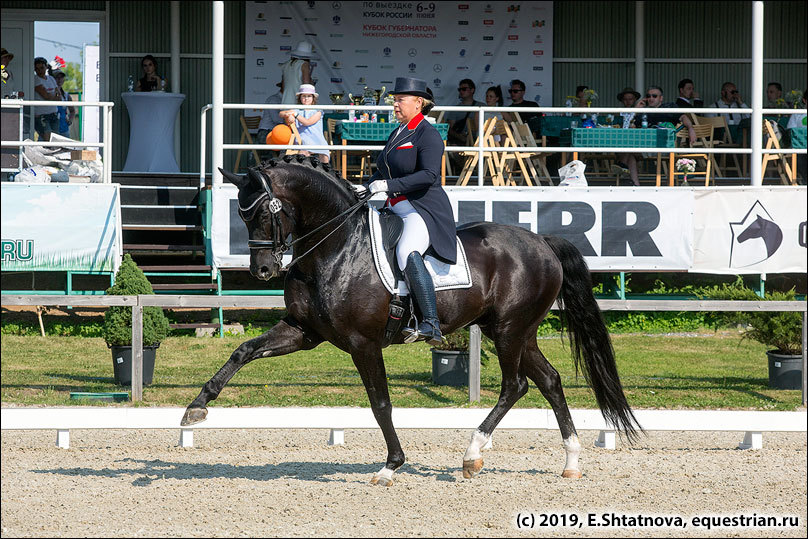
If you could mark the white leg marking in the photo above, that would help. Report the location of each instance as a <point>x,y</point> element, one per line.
<point>385,473</point>
<point>573,448</point>
<point>478,441</point>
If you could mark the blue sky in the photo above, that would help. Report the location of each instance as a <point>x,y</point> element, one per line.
<point>71,37</point>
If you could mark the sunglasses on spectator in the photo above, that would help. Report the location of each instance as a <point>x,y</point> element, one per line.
<point>653,95</point>
<point>512,91</point>
<point>734,92</point>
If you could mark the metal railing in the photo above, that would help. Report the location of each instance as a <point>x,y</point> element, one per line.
<point>106,130</point>
<point>185,301</point>
<point>755,140</point>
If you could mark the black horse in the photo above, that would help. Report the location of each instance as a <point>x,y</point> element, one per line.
<point>333,293</point>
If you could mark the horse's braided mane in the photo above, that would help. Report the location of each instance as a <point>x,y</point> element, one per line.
<point>314,163</point>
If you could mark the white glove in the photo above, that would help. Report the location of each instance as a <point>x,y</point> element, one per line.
<point>379,186</point>
<point>359,188</point>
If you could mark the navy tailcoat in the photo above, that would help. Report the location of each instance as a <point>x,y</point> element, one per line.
<point>410,162</point>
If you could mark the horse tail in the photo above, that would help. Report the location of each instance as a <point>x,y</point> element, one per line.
<point>591,345</point>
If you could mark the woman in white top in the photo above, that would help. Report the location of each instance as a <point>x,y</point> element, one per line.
<point>296,71</point>
<point>309,122</point>
<point>46,119</point>
<point>493,98</point>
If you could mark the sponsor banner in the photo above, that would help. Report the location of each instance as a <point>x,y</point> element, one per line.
<point>750,230</point>
<point>61,227</point>
<point>370,43</point>
<point>615,229</point>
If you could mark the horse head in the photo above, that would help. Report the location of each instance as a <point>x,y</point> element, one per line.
<point>268,221</point>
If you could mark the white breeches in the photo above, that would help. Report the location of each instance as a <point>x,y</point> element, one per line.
<point>414,237</point>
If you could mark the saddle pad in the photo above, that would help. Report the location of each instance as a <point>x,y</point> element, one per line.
<point>445,276</point>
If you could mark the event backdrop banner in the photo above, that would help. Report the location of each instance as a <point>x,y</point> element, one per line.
<point>61,227</point>
<point>359,44</point>
<point>615,229</point>
<point>750,230</point>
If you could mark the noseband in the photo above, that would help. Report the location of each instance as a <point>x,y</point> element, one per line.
<point>277,244</point>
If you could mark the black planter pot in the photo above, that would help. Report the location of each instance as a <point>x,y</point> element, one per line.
<point>785,371</point>
<point>122,364</point>
<point>450,367</point>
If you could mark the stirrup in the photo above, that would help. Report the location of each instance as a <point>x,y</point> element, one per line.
<point>410,335</point>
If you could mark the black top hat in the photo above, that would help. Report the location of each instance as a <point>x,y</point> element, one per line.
<point>410,86</point>
<point>628,90</point>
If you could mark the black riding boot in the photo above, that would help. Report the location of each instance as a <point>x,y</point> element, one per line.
<point>422,290</point>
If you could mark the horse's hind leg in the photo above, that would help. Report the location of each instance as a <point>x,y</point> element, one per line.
<point>514,386</point>
<point>536,367</point>
<point>283,338</point>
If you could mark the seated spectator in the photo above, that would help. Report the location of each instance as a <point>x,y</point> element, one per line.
<point>799,120</point>
<point>774,94</point>
<point>493,98</point>
<point>517,93</point>
<point>46,119</point>
<point>458,120</point>
<point>580,96</point>
<point>151,81</point>
<point>270,117</point>
<point>66,114</point>
<point>654,100</point>
<point>688,96</point>
<point>309,122</point>
<point>628,98</point>
<point>730,99</point>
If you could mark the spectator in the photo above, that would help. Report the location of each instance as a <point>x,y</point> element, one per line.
<point>10,83</point>
<point>309,122</point>
<point>493,98</point>
<point>458,120</point>
<point>731,99</point>
<point>296,71</point>
<point>774,94</point>
<point>66,114</point>
<point>151,81</point>
<point>46,119</point>
<point>580,96</point>
<point>270,117</point>
<point>628,98</point>
<point>517,93</point>
<point>653,100</point>
<point>688,96</point>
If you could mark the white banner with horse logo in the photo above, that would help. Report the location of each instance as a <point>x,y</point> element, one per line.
<point>750,230</point>
<point>616,229</point>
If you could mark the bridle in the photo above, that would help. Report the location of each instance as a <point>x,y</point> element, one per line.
<point>277,244</point>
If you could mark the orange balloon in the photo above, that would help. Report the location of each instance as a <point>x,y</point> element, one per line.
<point>280,134</point>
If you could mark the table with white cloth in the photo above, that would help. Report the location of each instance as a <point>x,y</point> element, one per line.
<point>151,131</point>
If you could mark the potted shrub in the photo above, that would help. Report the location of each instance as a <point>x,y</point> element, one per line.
<point>450,360</point>
<point>130,281</point>
<point>780,331</point>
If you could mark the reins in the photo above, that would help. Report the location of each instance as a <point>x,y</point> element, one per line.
<point>275,206</point>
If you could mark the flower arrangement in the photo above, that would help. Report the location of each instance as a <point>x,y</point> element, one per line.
<point>779,103</point>
<point>5,74</point>
<point>795,96</point>
<point>688,166</point>
<point>590,95</point>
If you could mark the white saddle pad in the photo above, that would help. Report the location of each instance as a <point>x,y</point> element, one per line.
<point>445,276</point>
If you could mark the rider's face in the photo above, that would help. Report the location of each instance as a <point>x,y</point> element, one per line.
<point>406,107</point>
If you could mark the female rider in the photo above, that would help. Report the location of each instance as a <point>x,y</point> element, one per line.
<point>408,169</point>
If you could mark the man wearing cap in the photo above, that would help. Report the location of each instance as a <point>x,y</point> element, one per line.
<point>408,169</point>
<point>46,119</point>
<point>296,71</point>
<point>270,117</point>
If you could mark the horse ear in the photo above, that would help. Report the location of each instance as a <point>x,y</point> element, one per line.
<point>239,180</point>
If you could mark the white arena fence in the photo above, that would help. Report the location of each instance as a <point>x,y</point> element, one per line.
<point>752,423</point>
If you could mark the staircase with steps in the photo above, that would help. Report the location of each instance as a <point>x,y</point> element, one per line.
<point>162,231</point>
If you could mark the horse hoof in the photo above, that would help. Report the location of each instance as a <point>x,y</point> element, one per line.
<point>571,474</point>
<point>193,416</point>
<point>381,481</point>
<point>472,468</point>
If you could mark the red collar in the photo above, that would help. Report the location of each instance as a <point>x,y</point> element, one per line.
<point>412,124</point>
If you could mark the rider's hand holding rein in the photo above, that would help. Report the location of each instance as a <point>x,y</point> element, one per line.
<point>378,186</point>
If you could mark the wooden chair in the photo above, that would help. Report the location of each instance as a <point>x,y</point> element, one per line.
<point>704,137</point>
<point>720,122</point>
<point>491,160</point>
<point>524,138</point>
<point>787,175</point>
<point>330,137</point>
<point>247,123</point>
<point>295,139</point>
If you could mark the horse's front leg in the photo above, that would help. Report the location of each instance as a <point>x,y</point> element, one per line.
<point>370,364</point>
<point>284,338</point>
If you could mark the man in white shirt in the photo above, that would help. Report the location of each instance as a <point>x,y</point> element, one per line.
<point>730,99</point>
<point>46,119</point>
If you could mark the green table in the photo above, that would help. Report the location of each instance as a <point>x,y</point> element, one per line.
<point>377,132</point>
<point>552,126</point>
<point>798,136</point>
